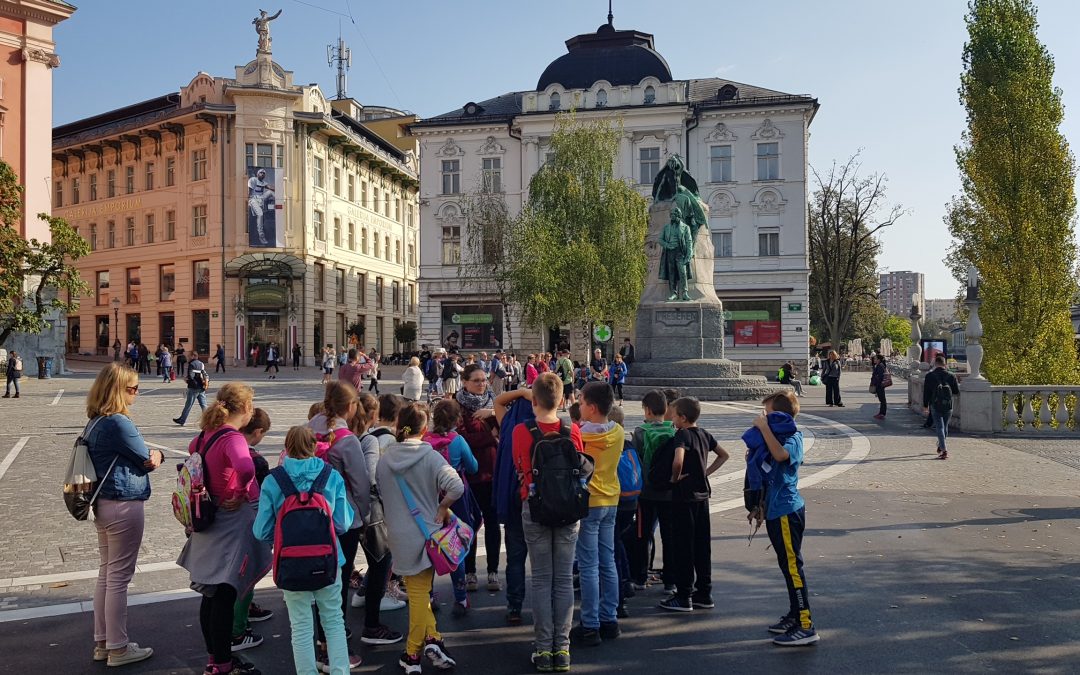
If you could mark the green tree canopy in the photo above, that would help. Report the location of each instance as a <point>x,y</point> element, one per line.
<point>581,236</point>
<point>1014,218</point>
<point>35,277</point>
<point>897,329</point>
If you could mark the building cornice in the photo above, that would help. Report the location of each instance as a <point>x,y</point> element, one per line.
<point>50,13</point>
<point>151,119</point>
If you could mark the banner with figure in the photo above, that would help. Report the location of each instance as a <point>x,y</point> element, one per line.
<point>263,194</point>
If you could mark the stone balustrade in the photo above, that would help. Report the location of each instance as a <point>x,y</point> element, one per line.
<point>1045,409</point>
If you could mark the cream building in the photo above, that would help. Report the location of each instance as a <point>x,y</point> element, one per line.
<point>167,190</point>
<point>745,145</point>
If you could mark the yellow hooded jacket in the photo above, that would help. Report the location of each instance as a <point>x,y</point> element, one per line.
<point>605,448</point>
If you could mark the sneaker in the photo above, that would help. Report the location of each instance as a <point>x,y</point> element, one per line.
<point>782,626</point>
<point>322,657</point>
<point>840,405</point>
<point>622,612</point>
<point>257,614</point>
<point>436,652</point>
<point>493,584</point>
<point>702,602</point>
<point>669,588</point>
<point>177,421</point>
<point>676,604</point>
<point>380,635</point>
<point>355,661</point>
<point>513,617</point>
<point>410,663</point>
<point>609,630</point>
<point>460,609</point>
<point>359,600</point>
<point>396,590</point>
<point>585,637</point>
<point>560,661</point>
<point>944,454</point>
<point>879,417</point>
<point>242,667</point>
<point>100,653</point>
<point>133,653</point>
<point>797,637</point>
<point>246,640</point>
<point>543,662</point>
<point>471,584</point>
<point>638,587</point>
<point>389,604</point>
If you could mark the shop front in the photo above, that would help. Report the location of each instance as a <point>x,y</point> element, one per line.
<point>265,307</point>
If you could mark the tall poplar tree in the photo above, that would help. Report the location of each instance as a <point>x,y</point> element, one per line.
<point>1014,219</point>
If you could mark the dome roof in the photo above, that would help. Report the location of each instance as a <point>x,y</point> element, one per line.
<point>619,57</point>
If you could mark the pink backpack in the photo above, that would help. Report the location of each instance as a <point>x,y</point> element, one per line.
<point>323,443</point>
<point>441,443</point>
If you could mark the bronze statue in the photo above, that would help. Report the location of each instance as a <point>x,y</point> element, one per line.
<point>677,250</point>
<point>674,184</point>
<point>262,27</point>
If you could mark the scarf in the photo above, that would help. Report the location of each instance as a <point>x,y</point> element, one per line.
<point>473,402</point>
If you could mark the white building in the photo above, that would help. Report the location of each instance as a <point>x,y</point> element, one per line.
<point>745,145</point>
<point>895,290</point>
<point>940,309</point>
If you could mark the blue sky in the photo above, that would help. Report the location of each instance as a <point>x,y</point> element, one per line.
<point>886,74</point>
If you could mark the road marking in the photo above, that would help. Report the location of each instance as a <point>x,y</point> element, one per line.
<point>163,448</point>
<point>14,453</point>
<point>79,575</point>
<point>56,399</point>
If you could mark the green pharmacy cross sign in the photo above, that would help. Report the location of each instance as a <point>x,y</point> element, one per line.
<point>602,332</point>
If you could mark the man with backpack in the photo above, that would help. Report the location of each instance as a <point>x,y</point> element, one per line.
<point>14,373</point>
<point>565,370</point>
<point>939,390</point>
<point>197,382</point>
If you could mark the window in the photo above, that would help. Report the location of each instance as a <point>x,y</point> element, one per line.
<point>378,292</point>
<point>259,155</point>
<point>410,298</point>
<point>352,237</point>
<point>650,95</point>
<point>337,231</point>
<point>110,183</point>
<point>102,288</point>
<point>93,187</point>
<point>363,240</point>
<point>451,244</point>
<point>386,246</point>
<point>320,282</point>
<point>200,276</point>
<point>378,240</point>
<point>451,176</point>
<point>198,220</point>
<point>361,290</point>
<point>281,156</point>
<point>93,237</point>
<point>170,226</point>
<point>317,325</point>
<point>129,180</point>
<point>129,232</point>
<point>412,255</point>
<point>318,172</point>
<point>149,176</point>
<point>134,284</point>
<point>395,294</point>
<point>337,182</point>
<point>555,102</point>
<point>752,323</point>
<point>149,228</point>
<point>58,198</point>
<point>721,242</point>
<point>397,251</point>
<point>375,199</point>
<point>339,286</point>
<point>720,163</point>
<point>317,221</point>
<point>492,175</point>
<point>198,164</point>
<point>650,164</point>
<point>768,243</point>
<point>409,216</point>
<point>352,188</point>
<point>363,193</point>
<point>200,330</point>
<point>166,282</point>
<point>75,190</point>
<point>386,204</point>
<point>170,172</point>
<point>601,98</point>
<point>768,161</point>
<point>110,235</point>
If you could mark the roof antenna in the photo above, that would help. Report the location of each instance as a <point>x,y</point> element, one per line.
<point>342,57</point>
<point>610,16</point>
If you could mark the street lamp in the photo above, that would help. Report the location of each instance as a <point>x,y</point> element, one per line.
<point>116,322</point>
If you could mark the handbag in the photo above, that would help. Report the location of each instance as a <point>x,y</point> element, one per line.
<point>445,547</point>
<point>81,484</point>
<point>374,535</point>
<point>886,380</point>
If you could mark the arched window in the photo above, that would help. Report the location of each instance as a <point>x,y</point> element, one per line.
<point>556,102</point>
<point>650,95</point>
<point>601,98</point>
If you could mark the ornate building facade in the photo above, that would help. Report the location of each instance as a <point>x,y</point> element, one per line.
<point>242,210</point>
<point>746,145</point>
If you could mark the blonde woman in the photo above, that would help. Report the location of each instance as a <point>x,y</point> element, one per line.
<point>830,375</point>
<point>225,560</point>
<point>413,380</point>
<point>123,461</point>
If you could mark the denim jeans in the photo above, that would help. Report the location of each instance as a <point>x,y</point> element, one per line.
<point>941,427</point>
<point>12,378</point>
<point>551,560</point>
<point>328,600</point>
<point>516,553</point>
<point>190,396</point>
<point>596,567</point>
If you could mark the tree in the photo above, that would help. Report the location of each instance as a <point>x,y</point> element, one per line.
<point>1017,207</point>
<point>897,329</point>
<point>356,332</point>
<point>405,333</point>
<point>35,276</point>
<point>868,321</point>
<point>845,219</point>
<point>581,236</point>
<point>490,250</point>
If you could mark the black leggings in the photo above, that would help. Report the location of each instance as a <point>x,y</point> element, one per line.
<point>492,530</point>
<point>216,620</point>
<point>882,407</point>
<point>377,576</point>
<point>618,390</point>
<point>832,390</point>
<point>651,512</point>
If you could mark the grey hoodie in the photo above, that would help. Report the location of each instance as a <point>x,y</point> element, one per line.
<point>348,456</point>
<point>427,475</point>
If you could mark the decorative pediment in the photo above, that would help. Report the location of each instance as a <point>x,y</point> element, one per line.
<point>723,203</point>
<point>491,147</point>
<point>768,200</point>
<point>449,214</point>
<point>767,132</point>
<point>450,149</point>
<point>721,133</point>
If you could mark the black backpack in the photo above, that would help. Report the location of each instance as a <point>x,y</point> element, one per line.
<point>559,495</point>
<point>660,466</point>
<point>941,398</point>
<point>196,379</point>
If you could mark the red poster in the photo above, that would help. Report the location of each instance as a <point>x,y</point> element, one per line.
<point>768,332</point>
<point>746,333</point>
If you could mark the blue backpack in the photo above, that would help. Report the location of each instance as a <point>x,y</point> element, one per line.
<point>505,487</point>
<point>630,478</point>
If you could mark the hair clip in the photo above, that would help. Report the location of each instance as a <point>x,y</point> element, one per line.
<point>406,430</point>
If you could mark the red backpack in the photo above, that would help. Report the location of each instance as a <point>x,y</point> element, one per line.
<point>305,544</point>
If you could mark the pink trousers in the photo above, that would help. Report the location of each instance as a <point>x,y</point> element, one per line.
<point>120,531</point>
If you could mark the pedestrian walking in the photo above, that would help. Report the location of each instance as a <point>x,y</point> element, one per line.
<point>617,375</point>
<point>197,382</point>
<point>219,356</point>
<point>939,391</point>
<point>880,380</point>
<point>412,380</point>
<point>14,373</point>
<point>373,385</point>
<point>272,360</point>
<point>830,375</point>
<point>297,352</point>
<point>329,360</point>
<point>180,357</point>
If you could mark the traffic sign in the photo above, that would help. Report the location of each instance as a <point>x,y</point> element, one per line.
<point>602,332</point>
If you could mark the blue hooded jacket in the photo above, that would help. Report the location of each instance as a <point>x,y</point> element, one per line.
<point>505,488</point>
<point>783,427</point>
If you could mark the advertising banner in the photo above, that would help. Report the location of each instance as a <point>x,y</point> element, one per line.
<point>263,190</point>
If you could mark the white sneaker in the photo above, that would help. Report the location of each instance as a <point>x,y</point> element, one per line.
<point>358,600</point>
<point>133,654</point>
<point>389,604</point>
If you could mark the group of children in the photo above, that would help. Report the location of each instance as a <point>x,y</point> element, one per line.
<point>411,462</point>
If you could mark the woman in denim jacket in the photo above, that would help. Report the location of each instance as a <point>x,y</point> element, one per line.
<point>122,462</point>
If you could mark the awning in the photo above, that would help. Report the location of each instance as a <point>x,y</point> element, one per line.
<point>280,265</point>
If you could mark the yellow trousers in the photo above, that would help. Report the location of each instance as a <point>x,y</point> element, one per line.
<point>421,618</point>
